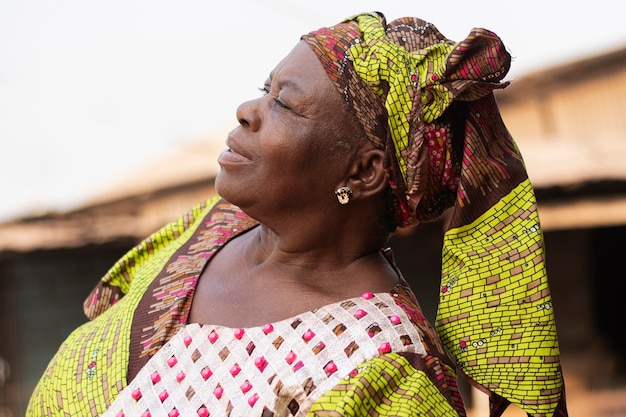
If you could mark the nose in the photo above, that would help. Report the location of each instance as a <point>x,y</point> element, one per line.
<point>248,114</point>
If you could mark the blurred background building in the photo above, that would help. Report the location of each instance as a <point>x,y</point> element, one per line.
<point>570,123</point>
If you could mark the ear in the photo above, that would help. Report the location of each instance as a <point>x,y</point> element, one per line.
<point>367,176</point>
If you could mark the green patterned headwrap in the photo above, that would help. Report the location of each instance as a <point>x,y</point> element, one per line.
<point>428,103</point>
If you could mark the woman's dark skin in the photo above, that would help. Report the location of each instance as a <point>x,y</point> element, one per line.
<point>283,164</point>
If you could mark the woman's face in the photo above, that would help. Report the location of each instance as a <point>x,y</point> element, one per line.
<point>285,156</point>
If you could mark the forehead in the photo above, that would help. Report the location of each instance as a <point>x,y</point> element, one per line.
<point>300,68</point>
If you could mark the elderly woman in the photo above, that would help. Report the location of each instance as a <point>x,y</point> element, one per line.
<point>278,298</point>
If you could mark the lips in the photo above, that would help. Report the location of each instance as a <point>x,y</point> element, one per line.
<point>231,155</point>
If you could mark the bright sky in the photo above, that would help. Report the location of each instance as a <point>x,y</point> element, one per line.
<point>92,90</point>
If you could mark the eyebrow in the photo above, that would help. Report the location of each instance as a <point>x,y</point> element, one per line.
<point>287,82</point>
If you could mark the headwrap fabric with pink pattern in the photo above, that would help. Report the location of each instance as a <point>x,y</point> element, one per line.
<point>413,74</point>
<point>428,103</point>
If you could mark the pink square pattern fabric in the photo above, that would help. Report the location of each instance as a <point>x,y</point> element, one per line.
<point>280,368</point>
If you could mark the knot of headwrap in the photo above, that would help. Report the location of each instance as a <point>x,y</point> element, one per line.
<point>428,103</point>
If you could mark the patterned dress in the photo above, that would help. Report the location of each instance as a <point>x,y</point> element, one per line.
<point>138,356</point>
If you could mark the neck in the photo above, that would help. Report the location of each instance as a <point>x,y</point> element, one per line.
<point>317,248</point>
<point>310,251</point>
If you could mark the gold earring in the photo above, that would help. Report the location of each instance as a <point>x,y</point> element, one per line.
<point>343,194</point>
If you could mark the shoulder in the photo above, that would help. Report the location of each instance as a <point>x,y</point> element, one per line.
<point>211,222</point>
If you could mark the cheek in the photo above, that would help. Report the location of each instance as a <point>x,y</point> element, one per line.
<point>307,151</point>
<point>287,150</point>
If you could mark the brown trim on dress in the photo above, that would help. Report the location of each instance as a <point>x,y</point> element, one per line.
<point>165,305</point>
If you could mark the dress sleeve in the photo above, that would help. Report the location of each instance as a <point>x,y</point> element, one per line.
<point>115,284</point>
<point>394,384</point>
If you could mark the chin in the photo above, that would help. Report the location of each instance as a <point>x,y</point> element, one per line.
<point>221,187</point>
<point>229,191</point>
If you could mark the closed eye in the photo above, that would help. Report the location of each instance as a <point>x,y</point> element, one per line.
<point>276,100</point>
<point>280,103</point>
